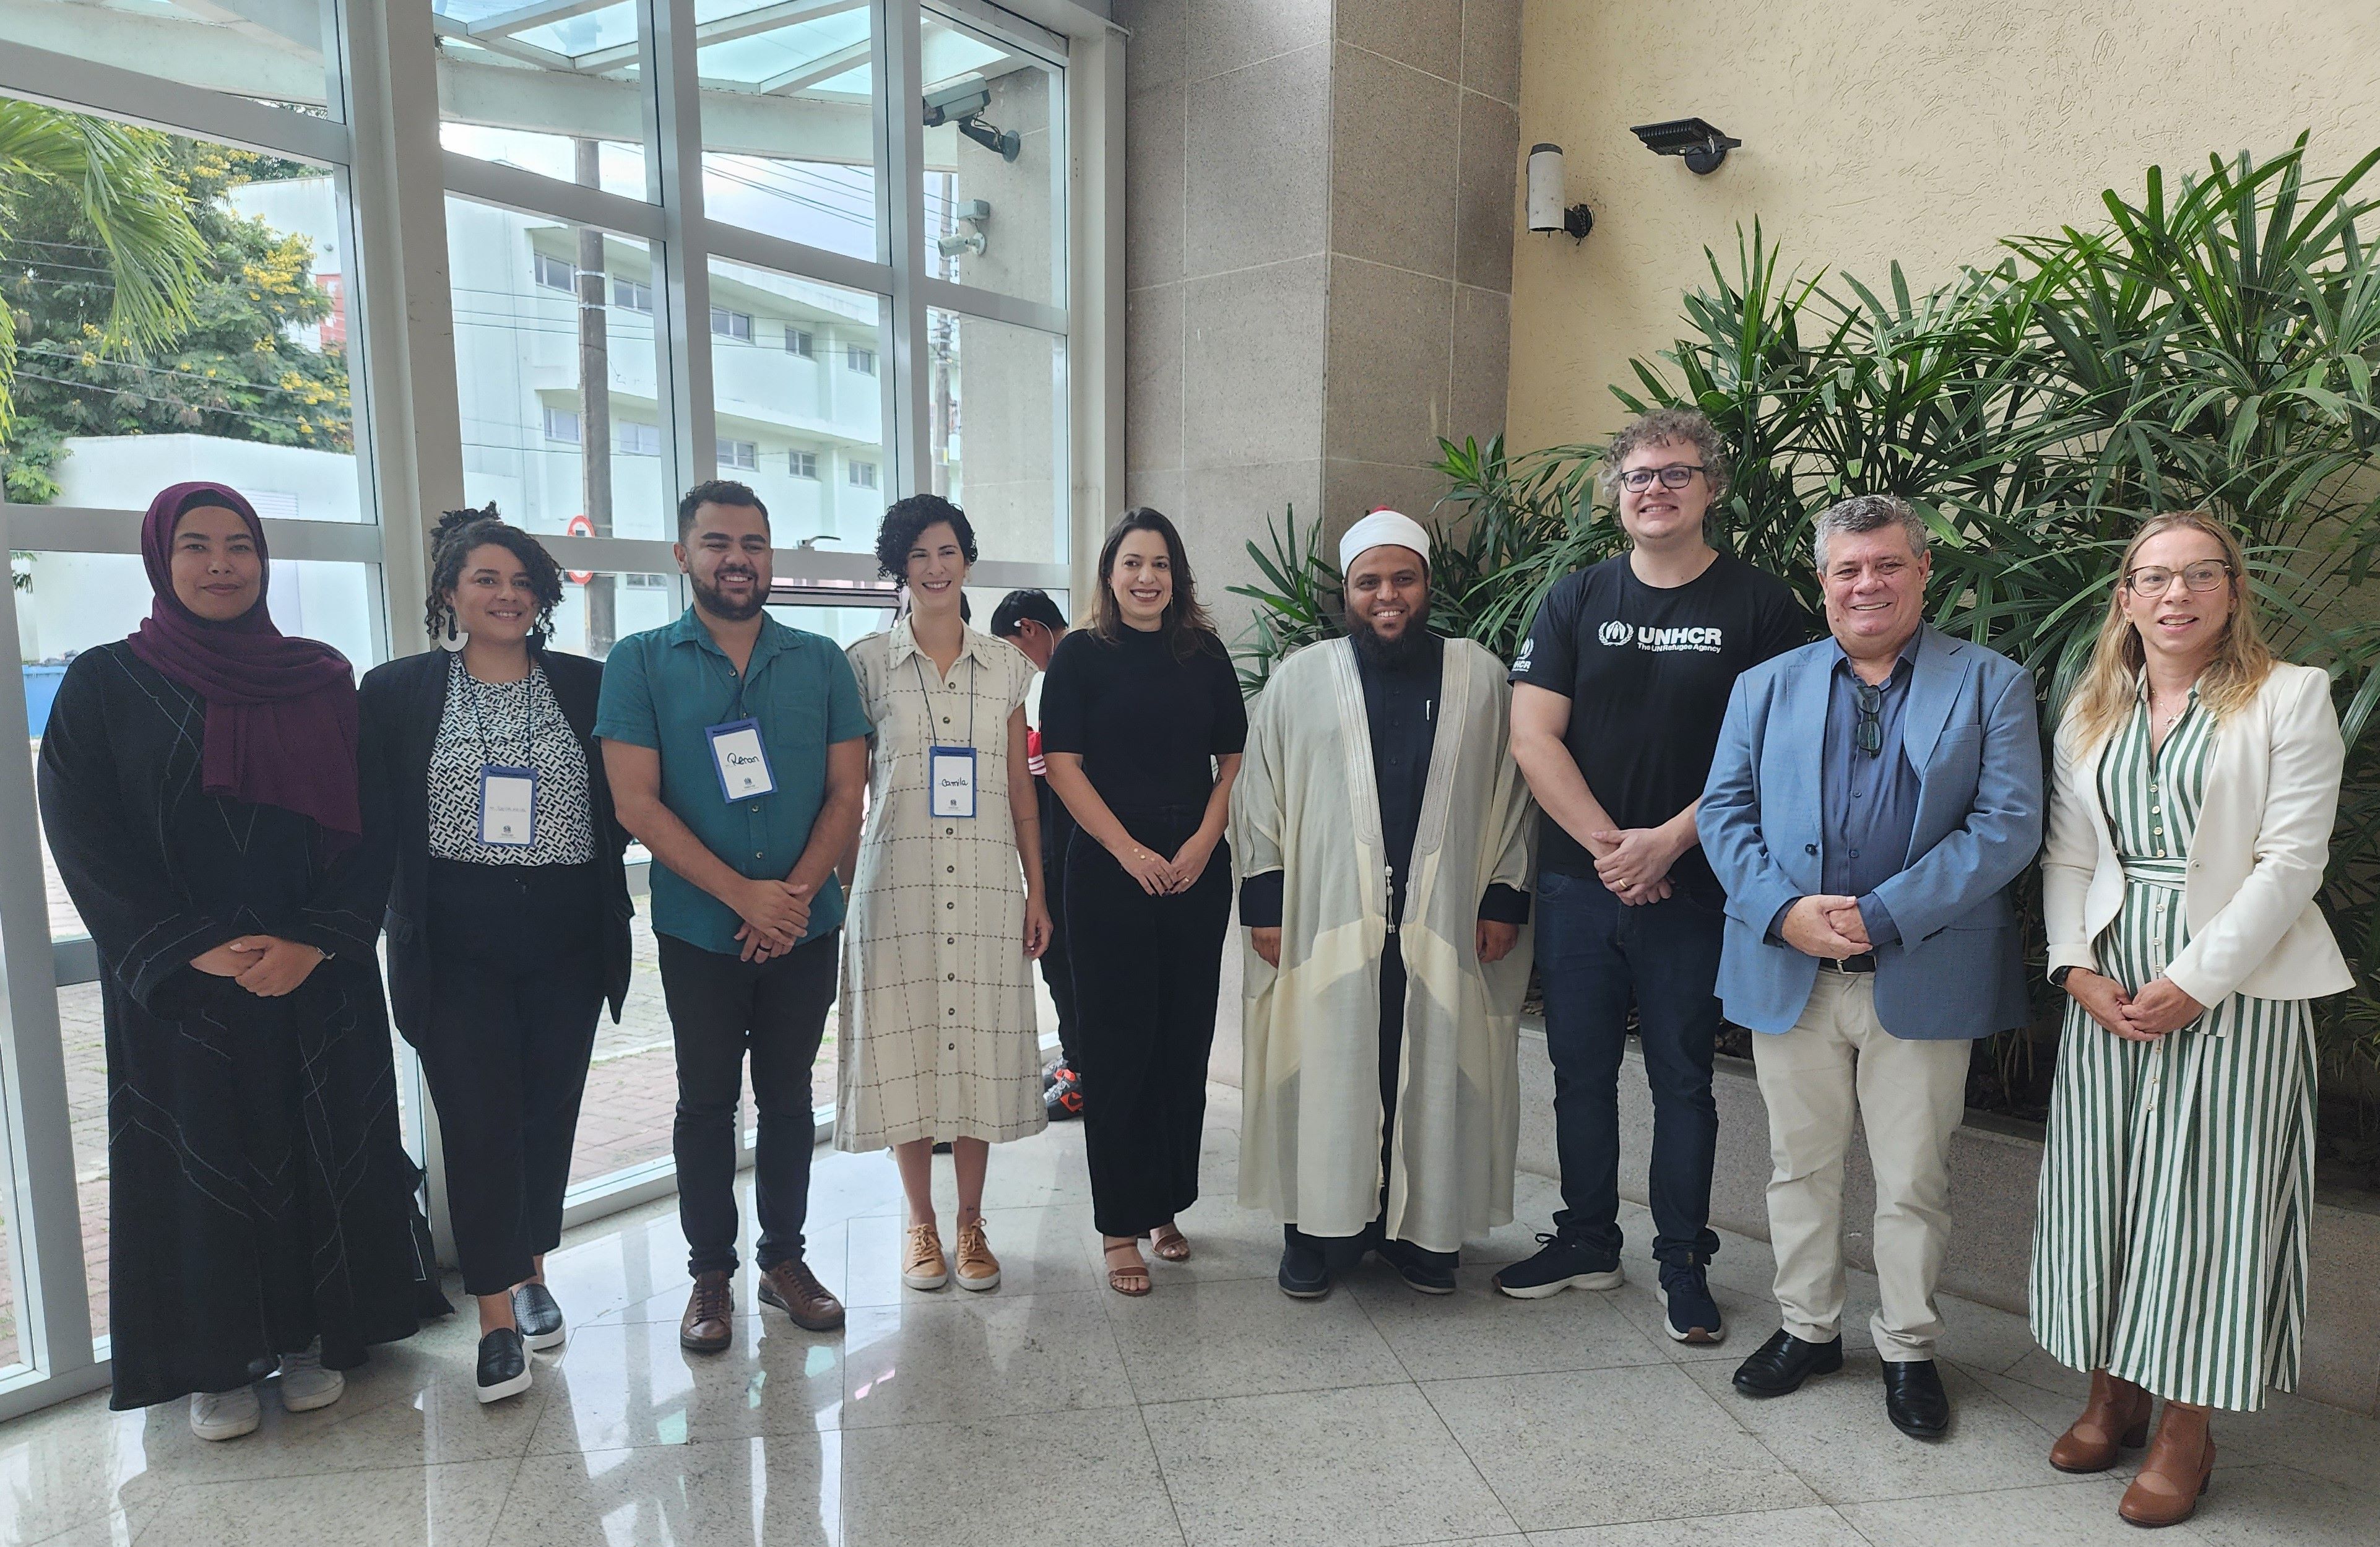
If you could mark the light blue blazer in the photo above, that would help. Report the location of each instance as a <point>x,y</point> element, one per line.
<point>1971,731</point>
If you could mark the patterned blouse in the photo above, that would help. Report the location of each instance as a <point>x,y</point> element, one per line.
<point>508,724</point>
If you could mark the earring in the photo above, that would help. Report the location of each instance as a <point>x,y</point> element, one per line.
<point>456,639</point>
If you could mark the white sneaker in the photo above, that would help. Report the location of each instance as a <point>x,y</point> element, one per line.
<point>304,1385</point>
<point>224,1415</point>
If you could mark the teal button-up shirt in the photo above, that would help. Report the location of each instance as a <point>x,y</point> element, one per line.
<point>665,688</point>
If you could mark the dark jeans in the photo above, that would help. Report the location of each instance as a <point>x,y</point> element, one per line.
<point>1597,956</point>
<point>1341,1252</point>
<point>1147,974</point>
<point>1058,962</point>
<point>514,991</point>
<point>719,1006</point>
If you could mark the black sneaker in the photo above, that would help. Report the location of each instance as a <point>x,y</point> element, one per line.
<point>1305,1274</point>
<point>1431,1272</point>
<point>1560,1263</point>
<point>504,1365</point>
<point>1694,1315</point>
<point>538,1319</point>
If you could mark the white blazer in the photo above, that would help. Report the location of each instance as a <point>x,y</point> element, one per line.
<point>2255,861</point>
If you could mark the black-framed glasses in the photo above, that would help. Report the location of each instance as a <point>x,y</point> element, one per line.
<point>1868,734</point>
<point>2155,579</point>
<point>1677,475</point>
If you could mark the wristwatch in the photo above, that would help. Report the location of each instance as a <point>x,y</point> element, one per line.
<point>2057,976</point>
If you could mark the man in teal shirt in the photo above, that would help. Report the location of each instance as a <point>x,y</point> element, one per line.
<point>737,753</point>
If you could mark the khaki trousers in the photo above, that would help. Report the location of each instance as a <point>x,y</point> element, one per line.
<point>1836,1063</point>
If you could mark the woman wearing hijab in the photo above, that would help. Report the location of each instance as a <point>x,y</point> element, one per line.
<point>508,919</point>
<point>199,787</point>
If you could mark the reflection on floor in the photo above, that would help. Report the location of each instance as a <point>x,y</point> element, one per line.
<point>1215,1412</point>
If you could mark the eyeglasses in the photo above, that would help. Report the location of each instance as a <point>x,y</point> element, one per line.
<point>1868,734</point>
<point>2154,580</point>
<point>1677,475</point>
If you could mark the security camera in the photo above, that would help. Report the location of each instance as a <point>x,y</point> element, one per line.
<point>962,99</point>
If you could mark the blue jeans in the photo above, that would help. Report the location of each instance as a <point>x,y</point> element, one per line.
<point>1597,956</point>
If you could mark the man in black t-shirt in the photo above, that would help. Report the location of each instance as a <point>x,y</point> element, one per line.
<point>1619,691</point>
<point>1031,621</point>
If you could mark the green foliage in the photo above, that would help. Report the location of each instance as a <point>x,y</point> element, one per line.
<point>216,356</point>
<point>2214,346</point>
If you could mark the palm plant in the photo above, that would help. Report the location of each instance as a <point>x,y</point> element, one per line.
<point>2214,346</point>
<point>116,175</point>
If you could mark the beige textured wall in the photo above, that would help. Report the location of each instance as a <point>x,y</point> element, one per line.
<point>1881,130</point>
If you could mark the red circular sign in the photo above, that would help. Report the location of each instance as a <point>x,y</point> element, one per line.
<point>579,526</point>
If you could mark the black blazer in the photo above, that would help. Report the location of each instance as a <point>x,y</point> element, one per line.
<point>401,704</point>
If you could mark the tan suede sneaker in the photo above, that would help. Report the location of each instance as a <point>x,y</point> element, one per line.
<point>978,1269</point>
<point>922,1266</point>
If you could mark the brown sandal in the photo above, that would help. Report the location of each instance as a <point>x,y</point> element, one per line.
<point>1122,1277</point>
<point>1169,1244</point>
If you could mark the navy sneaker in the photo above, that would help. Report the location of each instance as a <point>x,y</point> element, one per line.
<point>1694,1315</point>
<point>1305,1275</point>
<point>1560,1263</point>
<point>1432,1273</point>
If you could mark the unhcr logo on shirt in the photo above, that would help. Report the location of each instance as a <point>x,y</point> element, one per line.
<point>1617,634</point>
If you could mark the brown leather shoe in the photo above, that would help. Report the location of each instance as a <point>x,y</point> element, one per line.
<point>708,1325</point>
<point>794,1289</point>
<point>2116,1419</point>
<point>2175,1471</point>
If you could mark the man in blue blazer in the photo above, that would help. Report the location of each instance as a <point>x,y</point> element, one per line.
<point>1872,798</point>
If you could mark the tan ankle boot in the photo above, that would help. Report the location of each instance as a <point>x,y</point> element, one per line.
<point>2175,1471</point>
<point>2116,1418</point>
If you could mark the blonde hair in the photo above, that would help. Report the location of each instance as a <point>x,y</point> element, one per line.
<point>2243,660</point>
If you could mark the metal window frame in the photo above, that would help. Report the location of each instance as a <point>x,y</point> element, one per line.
<point>391,177</point>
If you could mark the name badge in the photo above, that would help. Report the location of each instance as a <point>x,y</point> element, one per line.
<point>742,762</point>
<point>950,780</point>
<point>508,807</point>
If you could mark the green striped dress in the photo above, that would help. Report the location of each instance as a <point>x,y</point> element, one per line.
<point>2177,1185</point>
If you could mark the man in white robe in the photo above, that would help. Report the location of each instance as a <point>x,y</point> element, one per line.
<point>1384,841</point>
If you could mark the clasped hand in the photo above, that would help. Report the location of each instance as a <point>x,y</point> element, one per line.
<point>2158,1010</point>
<point>1634,863</point>
<point>1821,925</point>
<point>265,964</point>
<point>1161,877</point>
<point>776,914</point>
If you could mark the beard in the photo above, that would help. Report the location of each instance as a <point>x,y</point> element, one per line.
<point>719,607</point>
<point>1391,654</point>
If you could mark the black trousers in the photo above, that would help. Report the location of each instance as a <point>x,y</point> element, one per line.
<point>515,996</point>
<point>1058,962</point>
<point>1147,973</point>
<point>719,1006</point>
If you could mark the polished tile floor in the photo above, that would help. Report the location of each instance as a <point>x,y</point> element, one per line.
<point>1213,1412</point>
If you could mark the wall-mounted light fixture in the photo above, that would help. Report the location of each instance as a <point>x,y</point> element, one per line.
<point>1703,146</point>
<point>1547,211</point>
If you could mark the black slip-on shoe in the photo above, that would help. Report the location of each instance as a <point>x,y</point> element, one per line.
<point>1782,1363</point>
<point>539,1318</point>
<point>1430,1273</point>
<point>504,1365</point>
<point>1914,1400</point>
<point>1305,1274</point>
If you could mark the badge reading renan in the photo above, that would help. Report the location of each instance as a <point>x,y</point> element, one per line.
<point>742,762</point>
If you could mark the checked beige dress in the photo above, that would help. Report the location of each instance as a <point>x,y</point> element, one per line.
<point>937,1030</point>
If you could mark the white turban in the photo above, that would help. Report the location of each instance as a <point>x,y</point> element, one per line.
<point>1382,529</point>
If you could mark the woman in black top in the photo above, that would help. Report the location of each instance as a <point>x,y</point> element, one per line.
<point>508,911</point>
<point>1141,728</point>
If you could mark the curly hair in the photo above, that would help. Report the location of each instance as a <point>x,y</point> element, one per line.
<point>460,531</point>
<point>907,520</point>
<point>1669,427</point>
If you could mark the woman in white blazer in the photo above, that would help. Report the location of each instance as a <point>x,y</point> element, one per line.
<point>2194,788</point>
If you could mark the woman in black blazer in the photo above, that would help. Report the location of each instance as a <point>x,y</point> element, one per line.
<point>508,907</point>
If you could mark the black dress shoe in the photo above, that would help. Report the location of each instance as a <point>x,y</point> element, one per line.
<point>1782,1363</point>
<point>504,1365</point>
<point>1305,1274</point>
<point>1431,1272</point>
<point>538,1319</point>
<point>1914,1400</point>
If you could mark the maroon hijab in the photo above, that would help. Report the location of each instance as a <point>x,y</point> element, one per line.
<point>281,711</point>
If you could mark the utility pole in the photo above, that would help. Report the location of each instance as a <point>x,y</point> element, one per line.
<point>595,409</point>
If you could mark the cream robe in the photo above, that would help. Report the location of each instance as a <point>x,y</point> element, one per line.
<point>1307,804</point>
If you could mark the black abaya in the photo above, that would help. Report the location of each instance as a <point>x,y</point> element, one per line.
<point>258,1194</point>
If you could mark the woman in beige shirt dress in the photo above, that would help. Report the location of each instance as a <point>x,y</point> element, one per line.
<point>946,916</point>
